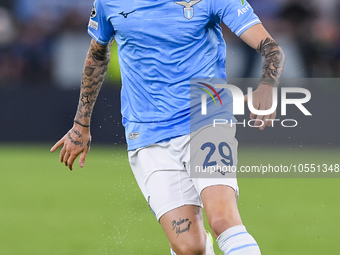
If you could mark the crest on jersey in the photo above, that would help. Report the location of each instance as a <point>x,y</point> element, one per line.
<point>188,7</point>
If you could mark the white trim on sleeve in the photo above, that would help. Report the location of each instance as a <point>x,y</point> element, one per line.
<point>238,32</point>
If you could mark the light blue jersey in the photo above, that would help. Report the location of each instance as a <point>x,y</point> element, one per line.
<point>162,44</point>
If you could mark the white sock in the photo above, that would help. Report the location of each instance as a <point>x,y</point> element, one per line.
<point>237,241</point>
<point>209,247</point>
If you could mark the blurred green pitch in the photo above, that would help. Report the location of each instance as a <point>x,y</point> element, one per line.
<point>46,209</point>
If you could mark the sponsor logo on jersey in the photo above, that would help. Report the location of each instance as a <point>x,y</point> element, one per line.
<point>244,10</point>
<point>93,24</point>
<point>125,14</point>
<point>188,7</point>
<point>133,136</point>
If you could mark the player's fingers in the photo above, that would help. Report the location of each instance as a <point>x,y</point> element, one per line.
<point>62,154</point>
<point>256,106</point>
<point>57,145</point>
<point>246,98</point>
<point>272,118</point>
<point>260,118</point>
<point>70,161</point>
<point>270,121</point>
<point>82,158</point>
<point>259,121</point>
<point>88,146</point>
<point>266,122</point>
<point>273,115</point>
<point>66,157</point>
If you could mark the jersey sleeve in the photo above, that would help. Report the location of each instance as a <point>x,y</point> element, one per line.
<point>238,15</point>
<point>100,27</point>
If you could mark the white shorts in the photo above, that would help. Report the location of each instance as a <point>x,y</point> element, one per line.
<point>162,170</point>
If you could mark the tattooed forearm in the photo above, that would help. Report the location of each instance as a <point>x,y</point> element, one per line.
<point>99,52</point>
<point>273,61</point>
<point>81,114</point>
<point>88,70</point>
<point>85,98</point>
<point>96,65</point>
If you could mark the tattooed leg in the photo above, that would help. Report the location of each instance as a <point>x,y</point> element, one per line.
<point>181,226</point>
<point>185,230</point>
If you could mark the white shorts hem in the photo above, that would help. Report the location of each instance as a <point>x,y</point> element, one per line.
<point>174,206</point>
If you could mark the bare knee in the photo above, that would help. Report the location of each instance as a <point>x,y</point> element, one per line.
<point>190,248</point>
<point>219,224</point>
<point>221,208</point>
<point>221,221</point>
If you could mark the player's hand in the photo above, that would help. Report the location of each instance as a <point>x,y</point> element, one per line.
<point>76,141</point>
<point>262,100</point>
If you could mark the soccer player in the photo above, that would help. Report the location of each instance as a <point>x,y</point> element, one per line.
<point>162,45</point>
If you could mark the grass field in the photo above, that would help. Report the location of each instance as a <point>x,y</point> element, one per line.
<point>46,209</point>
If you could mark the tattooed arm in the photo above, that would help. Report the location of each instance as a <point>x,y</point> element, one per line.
<point>78,139</point>
<point>273,60</point>
<point>96,64</point>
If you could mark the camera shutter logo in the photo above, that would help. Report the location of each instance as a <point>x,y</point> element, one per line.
<point>204,97</point>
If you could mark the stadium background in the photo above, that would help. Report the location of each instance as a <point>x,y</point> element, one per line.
<point>45,209</point>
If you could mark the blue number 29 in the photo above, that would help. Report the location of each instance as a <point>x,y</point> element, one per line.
<point>227,159</point>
